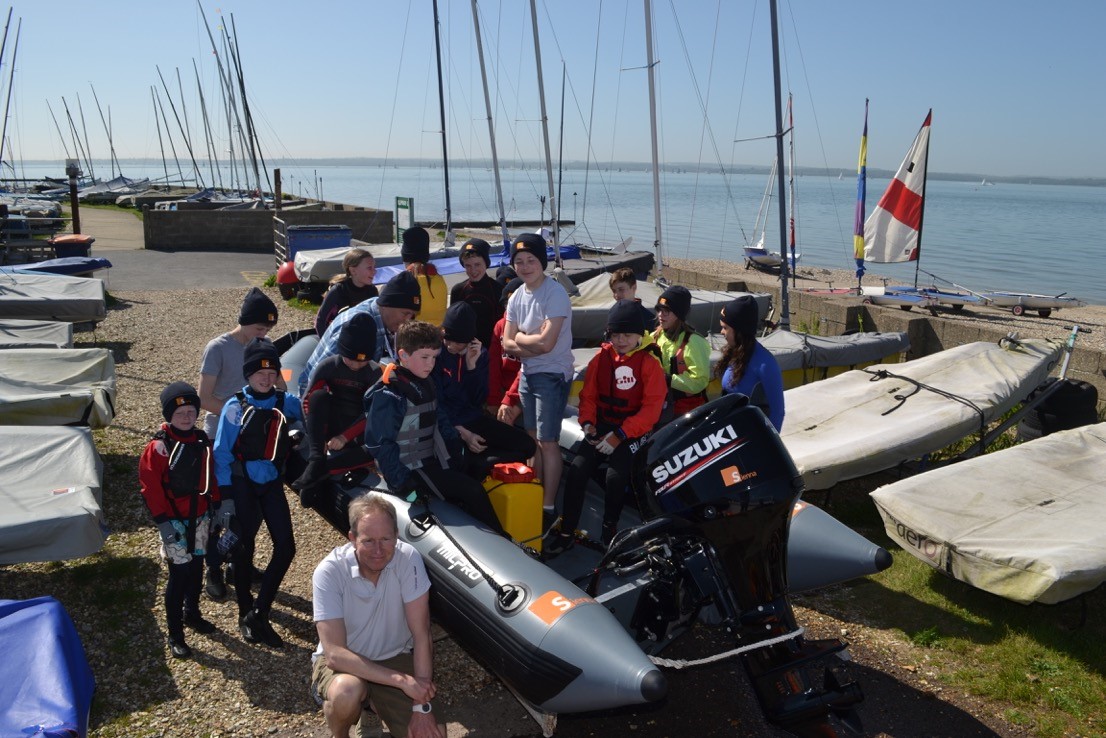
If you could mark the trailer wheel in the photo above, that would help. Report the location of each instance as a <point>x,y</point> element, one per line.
<point>957,307</point>
<point>288,291</point>
<point>907,308</point>
<point>1018,310</point>
<point>867,301</point>
<point>1044,312</point>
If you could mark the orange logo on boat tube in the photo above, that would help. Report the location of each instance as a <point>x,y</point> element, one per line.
<point>552,605</point>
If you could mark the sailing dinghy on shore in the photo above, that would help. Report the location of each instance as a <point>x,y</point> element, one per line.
<point>1023,523</point>
<point>868,420</point>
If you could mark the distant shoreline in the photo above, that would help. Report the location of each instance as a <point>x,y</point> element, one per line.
<point>629,166</point>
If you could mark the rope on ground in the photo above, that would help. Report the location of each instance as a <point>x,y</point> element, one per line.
<point>684,663</point>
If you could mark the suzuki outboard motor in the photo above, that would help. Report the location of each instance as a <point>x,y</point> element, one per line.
<point>723,471</point>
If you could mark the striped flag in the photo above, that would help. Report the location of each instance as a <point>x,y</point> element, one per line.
<point>861,196</point>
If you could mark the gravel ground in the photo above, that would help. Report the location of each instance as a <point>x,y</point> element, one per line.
<point>231,688</point>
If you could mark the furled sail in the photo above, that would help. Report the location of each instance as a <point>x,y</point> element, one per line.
<point>893,232</point>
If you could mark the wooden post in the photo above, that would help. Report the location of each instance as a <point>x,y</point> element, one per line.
<point>73,170</point>
<point>278,195</point>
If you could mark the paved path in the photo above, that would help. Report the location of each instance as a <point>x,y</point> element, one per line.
<point>119,239</point>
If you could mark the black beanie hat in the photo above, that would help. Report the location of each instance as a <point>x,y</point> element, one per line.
<point>257,308</point>
<point>459,323</point>
<point>530,243</point>
<point>676,298</point>
<point>742,314</point>
<point>416,246</point>
<point>509,289</point>
<point>625,317</point>
<point>402,291</point>
<point>177,395</point>
<point>479,247</point>
<point>357,341</point>
<point>260,354</point>
<point>505,273</point>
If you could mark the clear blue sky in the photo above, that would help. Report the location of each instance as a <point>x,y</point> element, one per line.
<point>1016,87</point>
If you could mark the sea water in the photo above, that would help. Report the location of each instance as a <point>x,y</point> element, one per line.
<point>1045,239</point>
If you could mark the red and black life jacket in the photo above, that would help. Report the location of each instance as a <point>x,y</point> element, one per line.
<point>683,402</point>
<point>190,470</point>
<point>621,384</point>
<point>263,435</point>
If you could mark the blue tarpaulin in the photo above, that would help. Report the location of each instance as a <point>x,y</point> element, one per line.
<point>46,684</point>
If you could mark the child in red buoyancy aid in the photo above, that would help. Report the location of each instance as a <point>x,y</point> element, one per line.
<point>177,474</point>
<point>624,391</point>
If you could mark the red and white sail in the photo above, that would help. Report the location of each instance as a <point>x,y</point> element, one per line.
<point>893,232</point>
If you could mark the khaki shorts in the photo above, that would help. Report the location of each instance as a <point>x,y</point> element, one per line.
<point>393,706</point>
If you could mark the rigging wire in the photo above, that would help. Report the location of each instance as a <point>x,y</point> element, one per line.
<point>848,256</point>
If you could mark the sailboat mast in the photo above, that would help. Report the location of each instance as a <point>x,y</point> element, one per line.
<point>650,64</point>
<point>785,307</point>
<point>545,134</point>
<point>11,77</point>
<point>922,206</point>
<point>161,145</point>
<point>792,204</point>
<point>441,113</point>
<point>107,131</point>
<point>491,127</point>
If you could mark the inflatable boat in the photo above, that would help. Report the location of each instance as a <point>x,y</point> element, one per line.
<point>717,493</point>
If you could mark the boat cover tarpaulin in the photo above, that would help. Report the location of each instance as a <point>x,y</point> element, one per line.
<point>807,351</point>
<point>1024,523</point>
<point>321,265</point>
<point>449,265</point>
<point>46,684</point>
<point>590,307</point>
<point>864,421</point>
<point>57,387</point>
<point>35,334</point>
<point>50,494</point>
<point>40,296</point>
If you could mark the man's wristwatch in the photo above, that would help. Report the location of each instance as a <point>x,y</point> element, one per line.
<point>423,707</point>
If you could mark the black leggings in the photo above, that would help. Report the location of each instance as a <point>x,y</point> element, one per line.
<point>505,443</point>
<point>253,503</point>
<point>183,593</point>
<point>464,492</point>
<point>579,473</point>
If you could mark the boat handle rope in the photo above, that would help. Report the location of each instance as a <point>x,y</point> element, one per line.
<point>879,374</point>
<point>501,590</point>
<point>684,663</point>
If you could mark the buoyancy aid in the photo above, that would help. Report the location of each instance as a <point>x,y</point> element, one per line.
<point>190,470</point>
<point>263,434</point>
<point>682,401</point>
<point>620,386</point>
<point>417,437</point>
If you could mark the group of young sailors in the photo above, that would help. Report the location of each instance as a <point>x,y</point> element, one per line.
<point>432,392</point>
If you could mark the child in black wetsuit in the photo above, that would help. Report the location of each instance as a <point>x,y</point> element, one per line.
<point>334,406</point>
